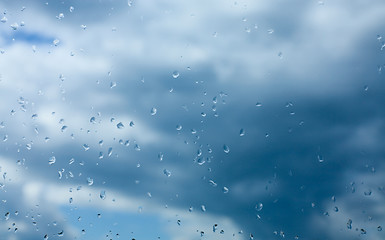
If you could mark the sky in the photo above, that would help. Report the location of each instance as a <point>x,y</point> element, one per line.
<point>192,119</point>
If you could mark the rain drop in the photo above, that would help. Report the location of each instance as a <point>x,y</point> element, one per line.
<point>225,190</point>
<point>86,147</point>
<point>167,172</point>
<point>90,181</point>
<point>93,120</point>
<point>178,127</point>
<point>242,132</point>
<point>51,160</point>
<point>64,128</point>
<point>102,195</point>
<point>153,111</point>
<point>226,148</point>
<point>120,125</point>
<point>203,208</point>
<point>259,207</point>
<point>175,74</point>
<point>109,153</point>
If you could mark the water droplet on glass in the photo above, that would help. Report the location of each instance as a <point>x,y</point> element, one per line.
<point>212,183</point>
<point>258,104</point>
<point>60,234</point>
<point>363,231</point>
<point>70,200</point>
<point>320,158</point>
<point>64,128</point>
<point>178,127</point>
<point>259,206</point>
<point>178,222</point>
<point>226,148</point>
<point>132,124</point>
<point>14,26</point>
<point>102,195</point>
<point>93,120</point>
<point>109,153</point>
<point>6,216</point>
<point>120,125</point>
<point>160,156</point>
<point>191,209</point>
<point>56,42</point>
<point>379,228</point>
<point>34,116</point>
<point>270,31</point>
<point>60,16</point>
<point>215,226</point>
<point>201,161</point>
<point>84,27</point>
<point>175,74</point>
<point>203,208</point>
<point>45,237</point>
<point>167,172</point>
<point>225,190</point>
<point>90,181</point>
<point>349,224</point>
<point>242,132</point>
<point>153,111</point>
<point>86,147</point>
<point>72,9</point>
<point>137,147</point>
<point>51,160</point>
<point>3,19</point>
<point>112,84</point>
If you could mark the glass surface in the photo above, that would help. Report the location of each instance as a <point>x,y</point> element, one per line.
<point>192,119</point>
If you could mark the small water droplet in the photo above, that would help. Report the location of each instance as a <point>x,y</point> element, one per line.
<point>320,158</point>
<point>14,26</point>
<point>132,124</point>
<point>6,216</point>
<point>102,195</point>
<point>90,181</point>
<point>64,128</point>
<point>225,190</point>
<point>270,31</point>
<point>191,209</point>
<point>34,116</point>
<point>242,132</point>
<point>86,147</point>
<point>109,153</point>
<point>60,16</point>
<point>215,226</point>
<point>160,156</point>
<point>56,42</point>
<point>83,26</point>
<point>167,172</point>
<point>178,127</point>
<point>349,224</point>
<point>258,104</point>
<point>175,74</point>
<point>226,148</point>
<point>259,206</point>
<point>379,228</point>
<point>60,234</point>
<point>72,9</point>
<point>51,160</point>
<point>3,19</point>
<point>93,120</point>
<point>153,111</point>
<point>112,84</point>
<point>212,183</point>
<point>203,208</point>
<point>178,222</point>
<point>45,237</point>
<point>120,125</point>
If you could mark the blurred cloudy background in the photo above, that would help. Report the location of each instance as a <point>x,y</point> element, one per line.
<point>192,119</point>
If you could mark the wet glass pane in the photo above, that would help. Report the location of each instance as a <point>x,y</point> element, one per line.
<point>192,119</point>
